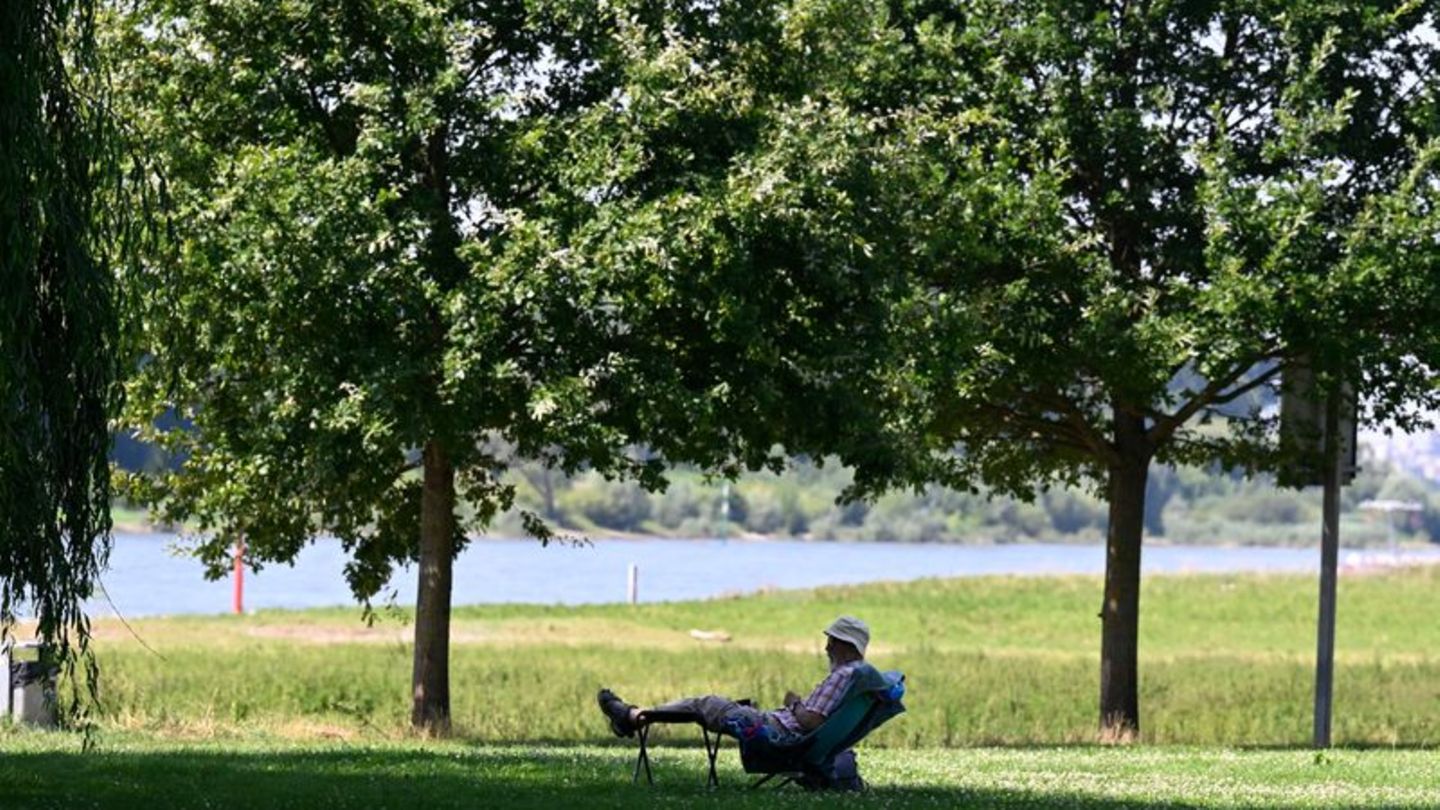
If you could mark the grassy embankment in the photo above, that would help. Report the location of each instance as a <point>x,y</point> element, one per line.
<point>311,706</point>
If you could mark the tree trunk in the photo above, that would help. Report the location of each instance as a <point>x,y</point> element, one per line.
<point>430,710</point>
<point>1120,614</point>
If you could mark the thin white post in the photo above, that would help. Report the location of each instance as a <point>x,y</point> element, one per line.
<point>633,584</point>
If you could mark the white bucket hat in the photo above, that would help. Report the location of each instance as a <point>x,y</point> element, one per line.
<point>850,630</point>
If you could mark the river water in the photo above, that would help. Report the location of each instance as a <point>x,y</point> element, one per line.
<point>150,574</point>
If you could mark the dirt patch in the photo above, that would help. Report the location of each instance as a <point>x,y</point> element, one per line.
<point>558,632</point>
<point>330,634</point>
<point>529,633</point>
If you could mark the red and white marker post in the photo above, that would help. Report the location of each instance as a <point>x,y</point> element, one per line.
<point>239,576</point>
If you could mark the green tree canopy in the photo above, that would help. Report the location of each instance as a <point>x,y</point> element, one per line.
<point>716,214</point>
<point>1118,220</point>
<point>330,315</point>
<point>1060,240</point>
<point>1057,238</point>
<point>416,241</point>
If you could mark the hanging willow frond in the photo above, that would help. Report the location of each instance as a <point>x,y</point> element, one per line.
<point>63,226</point>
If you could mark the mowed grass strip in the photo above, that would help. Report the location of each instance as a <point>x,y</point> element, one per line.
<point>1225,660</point>
<point>129,771</point>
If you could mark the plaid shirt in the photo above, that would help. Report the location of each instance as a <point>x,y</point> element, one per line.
<point>823,700</point>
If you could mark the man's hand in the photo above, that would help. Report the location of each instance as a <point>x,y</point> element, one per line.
<point>807,719</point>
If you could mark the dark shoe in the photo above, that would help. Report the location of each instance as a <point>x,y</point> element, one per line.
<point>618,711</point>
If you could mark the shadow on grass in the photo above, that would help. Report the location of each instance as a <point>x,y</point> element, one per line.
<point>479,777</point>
<point>681,741</point>
<point>680,736</point>
<point>688,740</point>
<point>1348,746</point>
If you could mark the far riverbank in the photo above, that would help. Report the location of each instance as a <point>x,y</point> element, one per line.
<point>150,574</point>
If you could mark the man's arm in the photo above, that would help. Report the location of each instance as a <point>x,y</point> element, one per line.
<point>812,712</point>
<point>807,719</point>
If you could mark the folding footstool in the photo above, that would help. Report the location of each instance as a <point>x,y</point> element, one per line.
<point>712,742</point>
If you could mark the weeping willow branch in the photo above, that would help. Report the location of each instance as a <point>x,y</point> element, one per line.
<point>64,226</point>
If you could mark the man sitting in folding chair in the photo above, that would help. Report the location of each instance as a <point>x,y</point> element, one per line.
<point>847,638</point>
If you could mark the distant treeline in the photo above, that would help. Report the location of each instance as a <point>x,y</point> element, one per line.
<point>1184,506</point>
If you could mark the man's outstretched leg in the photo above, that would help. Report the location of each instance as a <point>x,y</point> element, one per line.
<point>713,710</point>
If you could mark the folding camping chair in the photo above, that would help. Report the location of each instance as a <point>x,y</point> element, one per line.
<point>871,700</point>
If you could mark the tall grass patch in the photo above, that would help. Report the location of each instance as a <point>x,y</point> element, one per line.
<point>997,661</point>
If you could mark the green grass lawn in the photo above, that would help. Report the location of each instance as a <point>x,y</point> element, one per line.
<point>302,708</point>
<point>48,771</point>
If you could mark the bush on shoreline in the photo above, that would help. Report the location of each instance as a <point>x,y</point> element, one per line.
<point>1191,506</point>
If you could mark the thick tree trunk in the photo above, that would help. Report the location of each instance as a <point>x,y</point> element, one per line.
<point>1120,615</point>
<point>430,711</point>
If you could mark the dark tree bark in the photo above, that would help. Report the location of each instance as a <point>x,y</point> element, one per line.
<point>1120,614</point>
<point>430,710</point>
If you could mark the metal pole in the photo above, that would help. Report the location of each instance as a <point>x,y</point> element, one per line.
<point>1329,557</point>
<point>1390,534</point>
<point>239,601</point>
<point>725,511</point>
<point>633,584</point>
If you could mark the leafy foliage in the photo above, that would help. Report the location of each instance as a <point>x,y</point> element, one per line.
<point>342,174</point>
<point>1064,239</point>
<point>1113,221</point>
<point>1099,201</point>
<point>711,215</point>
<point>416,241</point>
<point>603,264</point>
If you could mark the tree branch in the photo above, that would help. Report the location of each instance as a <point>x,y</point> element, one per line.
<point>1095,442</point>
<point>1236,393</point>
<point>1212,394</point>
<point>1060,434</point>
